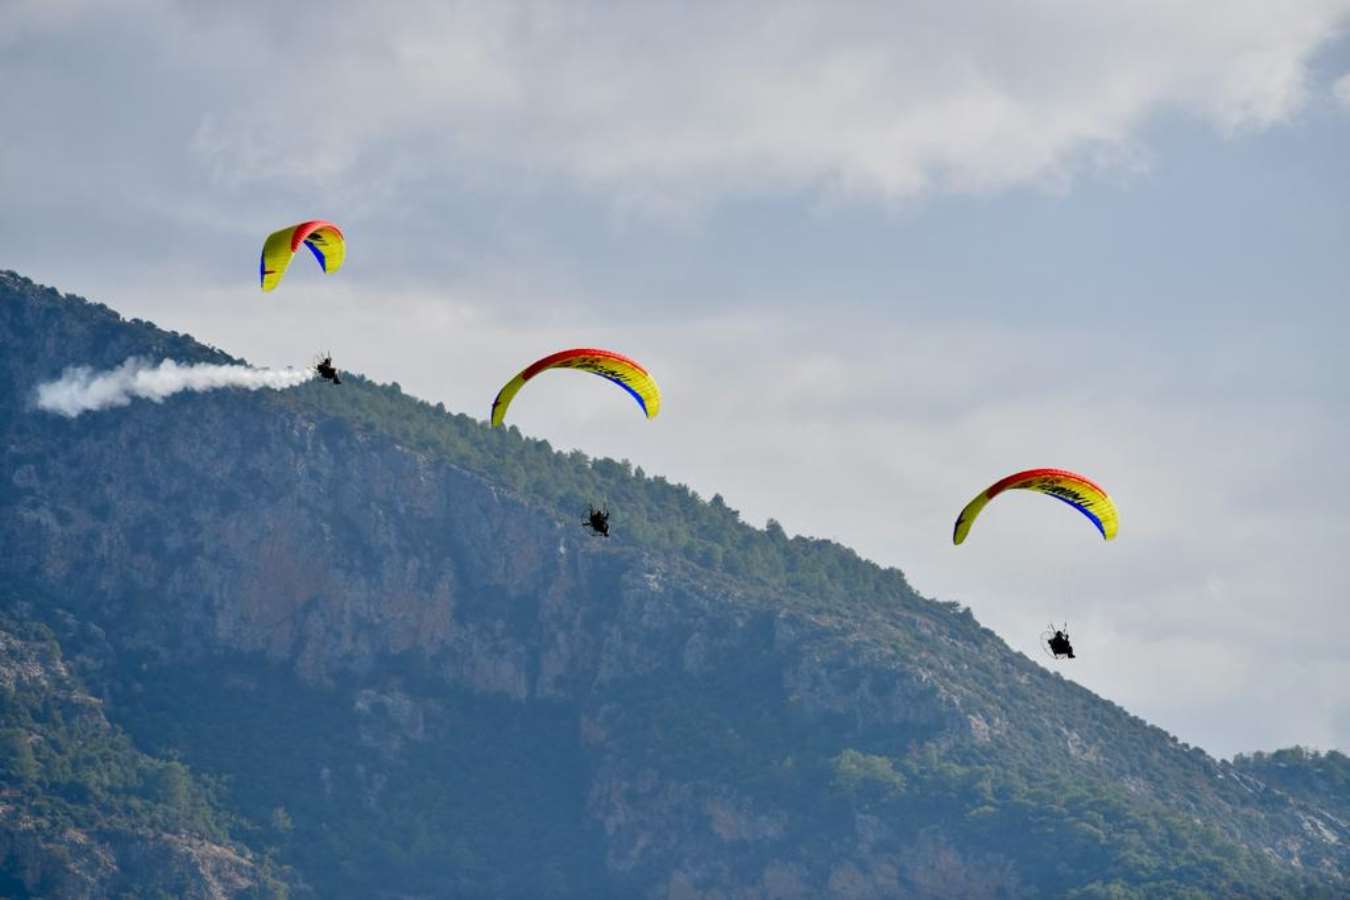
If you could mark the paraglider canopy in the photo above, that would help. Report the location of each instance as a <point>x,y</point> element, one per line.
<point>324,239</point>
<point>1081,493</point>
<point>626,373</point>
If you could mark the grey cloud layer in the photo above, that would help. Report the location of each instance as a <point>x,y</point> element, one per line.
<point>658,101</point>
<point>870,98</point>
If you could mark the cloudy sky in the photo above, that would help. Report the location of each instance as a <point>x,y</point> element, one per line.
<point>878,255</point>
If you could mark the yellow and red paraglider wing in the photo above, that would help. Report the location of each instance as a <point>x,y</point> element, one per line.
<point>324,239</point>
<point>615,367</point>
<point>1081,493</point>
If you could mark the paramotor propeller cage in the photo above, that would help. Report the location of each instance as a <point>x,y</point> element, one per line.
<point>598,521</point>
<point>323,364</point>
<point>1048,637</point>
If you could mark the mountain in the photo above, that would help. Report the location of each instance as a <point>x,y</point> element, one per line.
<point>380,658</point>
<point>1322,779</point>
<point>84,812</point>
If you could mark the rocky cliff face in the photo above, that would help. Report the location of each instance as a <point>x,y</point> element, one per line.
<point>448,690</point>
<point>47,852</point>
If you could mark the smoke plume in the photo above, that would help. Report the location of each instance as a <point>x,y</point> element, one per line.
<point>81,389</point>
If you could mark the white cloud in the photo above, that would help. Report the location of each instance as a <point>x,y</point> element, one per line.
<point>662,102</point>
<point>889,100</point>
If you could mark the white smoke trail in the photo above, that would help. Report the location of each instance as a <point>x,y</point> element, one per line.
<point>80,389</point>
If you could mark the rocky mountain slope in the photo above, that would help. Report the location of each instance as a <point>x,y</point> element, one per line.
<point>377,626</point>
<point>81,812</point>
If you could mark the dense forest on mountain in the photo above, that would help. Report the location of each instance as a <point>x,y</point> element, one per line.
<point>83,807</point>
<point>1309,775</point>
<point>339,642</point>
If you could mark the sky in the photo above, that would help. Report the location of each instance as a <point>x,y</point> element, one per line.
<point>878,255</point>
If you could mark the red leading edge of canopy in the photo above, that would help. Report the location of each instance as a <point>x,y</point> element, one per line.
<point>553,359</point>
<point>305,229</point>
<point>1002,485</point>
